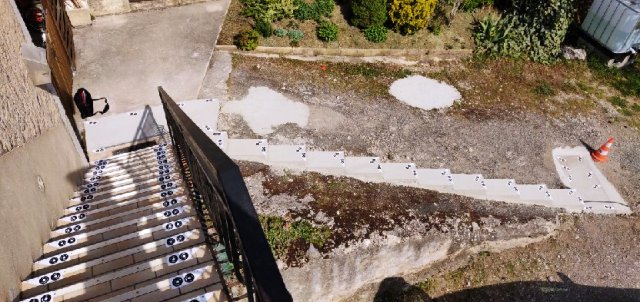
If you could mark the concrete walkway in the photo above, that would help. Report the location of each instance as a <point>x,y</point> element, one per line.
<point>126,57</point>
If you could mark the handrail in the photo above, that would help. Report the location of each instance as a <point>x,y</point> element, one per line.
<point>228,205</point>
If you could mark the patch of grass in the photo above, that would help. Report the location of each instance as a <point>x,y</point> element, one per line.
<point>618,101</point>
<point>282,234</point>
<point>586,88</point>
<point>636,107</point>
<point>484,254</point>
<point>544,89</point>
<point>626,80</point>
<point>427,285</point>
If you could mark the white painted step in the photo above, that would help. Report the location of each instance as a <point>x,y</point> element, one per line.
<point>605,208</point>
<point>287,154</point>
<point>221,139</point>
<point>248,149</point>
<point>469,184</point>
<point>362,166</point>
<point>400,172</point>
<point>435,179</point>
<point>567,199</point>
<point>535,194</point>
<point>332,161</point>
<point>502,189</point>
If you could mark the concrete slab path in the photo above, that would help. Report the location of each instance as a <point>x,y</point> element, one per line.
<point>126,57</point>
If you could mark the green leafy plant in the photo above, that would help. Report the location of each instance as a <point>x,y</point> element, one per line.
<point>530,29</point>
<point>247,40</point>
<point>376,33</point>
<point>327,31</point>
<point>280,234</point>
<point>280,32</point>
<point>268,10</point>
<point>410,16</point>
<point>367,13</point>
<point>296,35</point>
<point>315,10</point>
<point>471,5</point>
<point>264,27</point>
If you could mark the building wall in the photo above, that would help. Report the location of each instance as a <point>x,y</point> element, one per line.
<point>40,163</point>
<point>25,111</point>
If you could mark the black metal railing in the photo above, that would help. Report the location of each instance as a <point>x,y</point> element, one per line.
<point>227,204</point>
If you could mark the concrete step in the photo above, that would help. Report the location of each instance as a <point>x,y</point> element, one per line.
<point>164,146</point>
<point>435,179</point>
<point>119,278</point>
<point>472,185</point>
<point>596,207</point>
<point>535,194</point>
<point>363,167</point>
<point>567,199</point>
<point>287,154</point>
<point>248,149</point>
<point>502,190</point>
<point>399,172</point>
<point>221,139</point>
<point>189,227</point>
<point>332,162</point>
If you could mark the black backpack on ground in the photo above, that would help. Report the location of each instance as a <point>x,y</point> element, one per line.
<point>84,102</point>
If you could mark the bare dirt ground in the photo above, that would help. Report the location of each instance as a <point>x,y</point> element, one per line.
<point>512,115</point>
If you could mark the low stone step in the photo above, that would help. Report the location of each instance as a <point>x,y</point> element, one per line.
<point>435,179</point>
<point>470,185</point>
<point>502,189</point>
<point>567,199</point>
<point>120,278</point>
<point>399,172</point>
<point>111,227</point>
<point>333,161</point>
<point>363,167</point>
<point>221,139</point>
<point>596,207</point>
<point>248,149</point>
<point>535,194</point>
<point>104,248</point>
<point>287,154</point>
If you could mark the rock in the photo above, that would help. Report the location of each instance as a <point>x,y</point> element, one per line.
<point>571,53</point>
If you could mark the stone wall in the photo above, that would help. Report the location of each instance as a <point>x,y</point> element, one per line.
<point>25,111</point>
<point>40,165</point>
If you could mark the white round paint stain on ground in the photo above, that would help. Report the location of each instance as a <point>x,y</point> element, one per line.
<point>424,93</point>
<point>263,109</point>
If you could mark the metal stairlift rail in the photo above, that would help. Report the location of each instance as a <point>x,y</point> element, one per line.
<point>227,203</point>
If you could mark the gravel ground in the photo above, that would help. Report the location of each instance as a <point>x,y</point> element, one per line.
<point>351,110</point>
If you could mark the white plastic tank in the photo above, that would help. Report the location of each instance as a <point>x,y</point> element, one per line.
<point>615,24</point>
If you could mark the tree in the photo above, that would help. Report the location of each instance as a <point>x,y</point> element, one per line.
<point>367,13</point>
<point>409,16</point>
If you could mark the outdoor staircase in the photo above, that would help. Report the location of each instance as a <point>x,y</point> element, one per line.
<point>373,169</point>
<point>130,233</point>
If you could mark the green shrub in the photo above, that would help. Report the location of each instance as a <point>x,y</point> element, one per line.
<point>530,29</point>
<point>313,11</point>
<point>376,33</point>
<point>246,40</point>
<point>268,10</point>
<point>280,32</point>
<point>280,234</point>
<point>409,16</point>
<point>471,5</point>
<point>367,13</point>
<point>327,31</point>
<point>264,27</point>
<point>296,35</point>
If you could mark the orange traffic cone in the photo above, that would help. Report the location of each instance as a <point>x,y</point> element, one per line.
<point>601,154</point>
